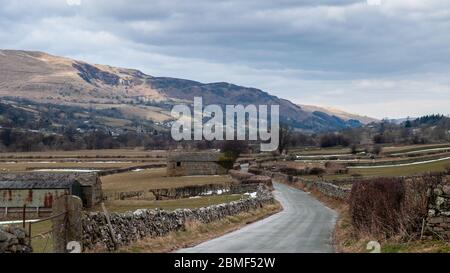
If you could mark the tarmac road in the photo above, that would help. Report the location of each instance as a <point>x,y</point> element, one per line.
<point>304,226</point>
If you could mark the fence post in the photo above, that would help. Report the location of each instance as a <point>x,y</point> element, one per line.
<point>66,228</point>
<point>24,211</point>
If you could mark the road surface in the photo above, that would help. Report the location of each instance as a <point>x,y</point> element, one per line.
<point>304,226</point>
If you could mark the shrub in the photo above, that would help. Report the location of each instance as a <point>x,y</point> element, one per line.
<point>289,171</point>
<point>388,207</point>
<point>374,206</point>
<point>316,171</point>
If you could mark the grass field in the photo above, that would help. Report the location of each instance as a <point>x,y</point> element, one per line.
<point>404,170</point>
<point>155,179</point>
<point>321,151</point>
<point>413,148</point>
<point>345,150</point>
<point>42,244</point>
<point>91,165</point>
<point>190,203</point>
<point>111,153</point>
<point>84,159</point>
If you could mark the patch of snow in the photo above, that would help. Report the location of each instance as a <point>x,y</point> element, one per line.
<point>68,170</point>
<point>139,212</point>
<point>252,195</point>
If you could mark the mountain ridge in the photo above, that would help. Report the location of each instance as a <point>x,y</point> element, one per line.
<point>45,78</point>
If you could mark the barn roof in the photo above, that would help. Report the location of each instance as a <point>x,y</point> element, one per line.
<point>44,178</point>
<point>41,184</point>
<point>194,157</point>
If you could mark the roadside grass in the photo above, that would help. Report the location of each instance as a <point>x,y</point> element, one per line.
<point>196,233</point>
<point>155,179</point>
<point>190,203</point>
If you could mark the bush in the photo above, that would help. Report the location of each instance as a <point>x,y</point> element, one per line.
<point>289,171</point>
<point>388,207</point>
<point>316,171</point>
<point>331,140</point>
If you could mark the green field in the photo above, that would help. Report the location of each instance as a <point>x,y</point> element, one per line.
<point>190,203</point>
<point>155,179</point>
<point>404,170</point>
<point>413,148</point>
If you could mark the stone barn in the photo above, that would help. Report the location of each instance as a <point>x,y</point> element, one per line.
<point>14,187</point>
<point>195,163</point>
<point>35,194</point>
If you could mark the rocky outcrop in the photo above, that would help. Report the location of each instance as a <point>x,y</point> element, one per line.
<point>132,226</point>
<point>13,240</point>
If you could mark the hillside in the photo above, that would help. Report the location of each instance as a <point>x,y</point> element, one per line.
<point>338,113</point>
<point>41,79</point>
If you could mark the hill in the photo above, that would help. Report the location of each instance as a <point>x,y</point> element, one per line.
<point>33,81</point>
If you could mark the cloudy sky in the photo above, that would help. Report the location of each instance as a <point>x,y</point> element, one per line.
<point>387,60</point>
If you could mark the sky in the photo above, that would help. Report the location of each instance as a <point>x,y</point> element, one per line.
<point>380,58</point>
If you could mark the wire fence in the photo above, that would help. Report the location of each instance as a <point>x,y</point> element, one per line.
<point>41,232</point>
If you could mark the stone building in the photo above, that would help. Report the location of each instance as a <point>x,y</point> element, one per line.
<point>35,194</point>
<point>197,163</point>
<point>40,189</point>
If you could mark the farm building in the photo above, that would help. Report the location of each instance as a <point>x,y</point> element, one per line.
<point>41,189</point>
<point>36,194</point>
<point>183,164</point>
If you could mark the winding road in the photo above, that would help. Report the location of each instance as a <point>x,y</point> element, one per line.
<point>304,226</point>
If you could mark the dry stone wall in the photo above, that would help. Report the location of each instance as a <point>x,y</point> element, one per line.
<point>246,178</point>
<point>438,222</point>
<point>13,240</point>
<point>132,226</point>
<point>207,190</point>
<point>328,189</point>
